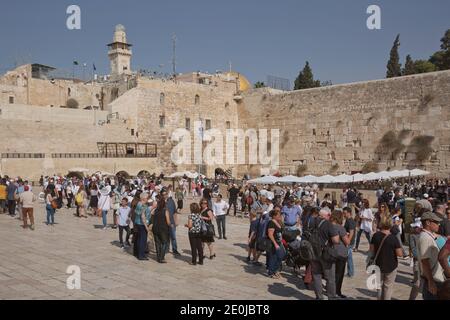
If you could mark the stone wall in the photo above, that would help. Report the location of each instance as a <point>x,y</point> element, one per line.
<point>143,107</point>
<point>390,124</point>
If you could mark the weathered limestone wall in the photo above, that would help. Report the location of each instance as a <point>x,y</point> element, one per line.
<point>142,108</point>
<point>391,124</point>
<point>19,84</point>
<point>54,115</point>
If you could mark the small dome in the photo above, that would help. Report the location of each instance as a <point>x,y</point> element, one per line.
<point>244,84</point>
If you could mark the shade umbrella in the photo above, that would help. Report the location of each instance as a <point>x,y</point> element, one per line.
<point>289,179</point>
<point>308,179</point>
<point>264,180</point>
<point>358,177</point>
<point>418,173</point>
<point>343,178</point>
<point>326,179</point>
<point>372,176</point>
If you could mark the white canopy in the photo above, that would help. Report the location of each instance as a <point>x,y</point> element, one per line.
<point>418,173</point>
<point>325,179</point>
<point>264,180</point>
<point>191,175</point>
<point>308,179</point>
<point>289,179</point>
<point>343,178</point>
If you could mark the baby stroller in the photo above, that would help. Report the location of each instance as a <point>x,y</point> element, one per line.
<point>292,244</point>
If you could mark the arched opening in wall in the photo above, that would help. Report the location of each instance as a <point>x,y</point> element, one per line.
<point>69,91</point>
<point>162,99</point>
<point>227,105</point>
<point>144,174</point>
<point>197,100</point>
<point>123,175</point>
<point>78,175</point>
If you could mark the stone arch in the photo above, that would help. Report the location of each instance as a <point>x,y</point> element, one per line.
<point>123,174</point>
<point>144,174</point>
<point>197,100</point>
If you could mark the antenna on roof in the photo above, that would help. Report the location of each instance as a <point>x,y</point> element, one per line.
<point>174,58</point>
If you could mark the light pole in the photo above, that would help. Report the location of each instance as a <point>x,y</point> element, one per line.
<point>202,134</point>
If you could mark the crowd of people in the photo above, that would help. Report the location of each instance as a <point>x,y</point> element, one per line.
<point>289,225</point>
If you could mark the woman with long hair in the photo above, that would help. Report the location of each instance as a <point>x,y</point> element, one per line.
<point>161,223</point>
<point>93,203</point>
<point>276,252</point>
<point>207,215</point>
<point>337,220</point>
<point>194,225</point>
<point>50,196</point>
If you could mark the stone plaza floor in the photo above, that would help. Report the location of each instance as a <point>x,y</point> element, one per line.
<point>33,265</point>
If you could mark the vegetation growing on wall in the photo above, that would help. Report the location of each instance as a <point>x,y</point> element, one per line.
<point>72,104</point>
<point>370,167</point>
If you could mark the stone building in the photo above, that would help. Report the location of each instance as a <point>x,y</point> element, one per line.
<point>125,121</point>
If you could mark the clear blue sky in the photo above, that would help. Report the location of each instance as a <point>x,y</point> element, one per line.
<point>260,37</point>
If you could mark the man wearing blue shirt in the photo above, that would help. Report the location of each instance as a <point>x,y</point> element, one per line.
<point>291,214</point>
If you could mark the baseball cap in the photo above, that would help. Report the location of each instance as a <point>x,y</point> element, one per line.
<point>430,216</point>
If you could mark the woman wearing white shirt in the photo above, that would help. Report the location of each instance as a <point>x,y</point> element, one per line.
<point>366,217</point>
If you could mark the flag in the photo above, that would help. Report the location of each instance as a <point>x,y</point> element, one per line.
<point>95,69</point>
<point>75,63</point>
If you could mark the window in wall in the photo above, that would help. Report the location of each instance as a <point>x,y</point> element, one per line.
<point>132,132</point>
<point>208,124</point>
<point>69,91</point>
<point>197,99</point>
<point>188,124</point>
<point>227,105</point>
<point>162,99</point>
<point>228,125</point>
<point>162,121</point>
<point>314,132</point>
<point>11,100</point>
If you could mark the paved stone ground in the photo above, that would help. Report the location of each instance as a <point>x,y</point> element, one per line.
<point>33,266</point>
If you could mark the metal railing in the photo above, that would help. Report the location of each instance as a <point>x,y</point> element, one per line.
<point>23,155</point>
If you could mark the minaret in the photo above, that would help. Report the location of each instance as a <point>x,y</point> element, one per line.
<point>120,53</point>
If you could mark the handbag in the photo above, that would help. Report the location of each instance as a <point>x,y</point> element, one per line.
<point>372,260</point>
<point>54,204</point>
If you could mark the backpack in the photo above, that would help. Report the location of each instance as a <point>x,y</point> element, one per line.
<point>79,198</point>
<point>311,247</point>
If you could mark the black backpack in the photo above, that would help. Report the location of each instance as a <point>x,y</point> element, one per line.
<point>311,247</point>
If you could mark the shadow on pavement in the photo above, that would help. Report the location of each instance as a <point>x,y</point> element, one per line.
<point>282,290</point>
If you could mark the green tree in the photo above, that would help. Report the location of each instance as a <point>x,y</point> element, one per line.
<point>394,68</point>
<point>305,79</point>
<point>260,84</point>
<point>409,66</point>
<point>441,59</point>
<point>423,66</point>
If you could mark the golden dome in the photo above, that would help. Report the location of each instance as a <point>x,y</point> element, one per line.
<point>244,84</point>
